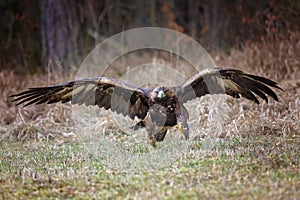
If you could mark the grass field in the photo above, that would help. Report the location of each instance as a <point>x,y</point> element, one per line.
<point>256,154</point>
<point>259,167</point>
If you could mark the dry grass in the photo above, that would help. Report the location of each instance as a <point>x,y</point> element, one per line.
<point>256,154</point>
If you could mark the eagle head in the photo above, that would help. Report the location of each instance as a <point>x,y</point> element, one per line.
<point>159,92</point>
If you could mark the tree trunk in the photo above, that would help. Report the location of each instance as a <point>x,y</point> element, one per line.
<point>59,30</point>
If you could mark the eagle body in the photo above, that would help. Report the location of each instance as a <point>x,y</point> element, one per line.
<point>164,112</point>
<point>164,109</point>
<point>158,108</point>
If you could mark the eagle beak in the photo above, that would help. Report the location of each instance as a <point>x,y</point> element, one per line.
<point>161,94</point>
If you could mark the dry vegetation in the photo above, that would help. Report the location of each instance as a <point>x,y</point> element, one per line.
<point>257,154</point>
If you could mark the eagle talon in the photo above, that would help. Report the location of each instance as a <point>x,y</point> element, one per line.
<point>183,131</point>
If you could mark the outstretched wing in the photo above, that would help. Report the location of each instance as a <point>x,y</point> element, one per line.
<point>104,92</point>
<point>228,81</point>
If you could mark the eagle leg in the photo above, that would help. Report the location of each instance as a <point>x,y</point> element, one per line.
<point>160,136</point>
<point>140,124</point>
<point>182,126</point>
<point>151,135</point>
<point>150,127</point>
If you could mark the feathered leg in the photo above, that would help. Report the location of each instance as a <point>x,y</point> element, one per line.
<point>140,124</point>
<point>150,127</point>
<point>182,126</point>
<point>160,136</point>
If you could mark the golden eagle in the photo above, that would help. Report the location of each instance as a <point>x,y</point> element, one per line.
<point>158,109</point>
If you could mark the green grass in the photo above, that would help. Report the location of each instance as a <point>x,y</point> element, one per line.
<point>256,167</point>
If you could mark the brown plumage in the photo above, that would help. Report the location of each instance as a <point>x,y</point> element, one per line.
<point>158,109</point>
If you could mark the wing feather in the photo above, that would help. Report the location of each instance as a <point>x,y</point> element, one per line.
<point>104,92</point>
<point>228,81</point>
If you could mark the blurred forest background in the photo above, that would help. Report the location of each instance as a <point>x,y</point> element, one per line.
<point>34,33</point>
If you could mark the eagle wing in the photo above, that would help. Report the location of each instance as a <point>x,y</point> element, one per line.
<point>227,81</point>
<point>104,92</point>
